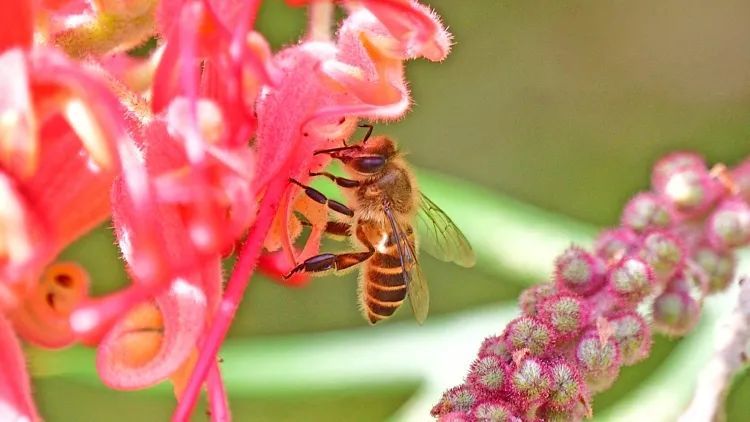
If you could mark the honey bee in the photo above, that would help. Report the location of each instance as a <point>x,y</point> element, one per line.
<point>384,206</point>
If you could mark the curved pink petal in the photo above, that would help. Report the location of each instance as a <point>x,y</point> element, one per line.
<point>18,138</point>
<point>36,220</point>
<point>417,28</point>
<point>92,111</point>
<point>143,350</point>
<point>21,236</point>
<point>16,403</point>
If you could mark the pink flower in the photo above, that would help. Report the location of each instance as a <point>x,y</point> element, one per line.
<point>189,150</point>
<point>186,198</point>
<point>317,91</point>
<point>59,137</point>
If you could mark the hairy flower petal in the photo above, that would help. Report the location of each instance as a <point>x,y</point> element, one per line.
<point>16,403</point>
<point>154,340</point>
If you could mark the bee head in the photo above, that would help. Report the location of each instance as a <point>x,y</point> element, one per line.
<point>372,155</point>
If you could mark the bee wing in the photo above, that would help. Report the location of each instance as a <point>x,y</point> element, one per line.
<point>440,237</point>
<point>416,285</point>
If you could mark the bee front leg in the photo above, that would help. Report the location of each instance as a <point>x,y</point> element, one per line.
<point>341,181</point>
<point>318,197</point>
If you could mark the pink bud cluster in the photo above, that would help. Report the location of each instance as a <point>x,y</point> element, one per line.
<point>674,246</point>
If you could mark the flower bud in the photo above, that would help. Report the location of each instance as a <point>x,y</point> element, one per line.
<point>494,346</point>
<point>672,164</point>
<point>663,253</point>
<point>646,211</point>
<point>566,314</point>
<point>718,265</point>
<point>691,280</point>
<point>534,295</point>
<point>552,415</point>
<point>567,388</point>
<point>741,177</point>
<point>486,374</point>
<point>530,381</point>
<point>685,182</point>
<point>530,334</point>
<point>632,335</point>
<point>578,271</point>
<point>494,411</point>
<point>612,245</point>
<point>599,361</point>
<point>631,280</point>
<point>457,399</point>
<point>729,225</point>
<point>675,313</point>
<point>456,417</point>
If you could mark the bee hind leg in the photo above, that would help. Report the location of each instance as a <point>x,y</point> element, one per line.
<point>335,262</point>
<point>330,262</point>
<point>334,229</point>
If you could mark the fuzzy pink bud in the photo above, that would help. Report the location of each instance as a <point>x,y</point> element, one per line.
<point>611,245</point>
<point>718,266</point>
<point>674,163</point>
<point>567,314</point>
<point>456,417</point>
<point>631,279</point>
<point>646,211</point>
<point>691,280</point>
<point>553,415</point>
<point>675,313</point>
<point>530,334</point>
<point>664,253</point>
<point>531,298</point>
<point>494,411</point>
<point>487,373</point>
<point>633,336</point>
<point>494,346</point>
<point>578,271</point>
<point>457,399</point>
<point>741,177</point>
<point>683,180</point>
<point>599,360</point>
<point>531,381</point>
<point>567,388</point>
<point>729,225</point>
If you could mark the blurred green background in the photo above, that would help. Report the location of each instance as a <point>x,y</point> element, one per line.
<point>563,105</point>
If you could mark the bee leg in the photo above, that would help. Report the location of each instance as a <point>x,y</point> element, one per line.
<point>335,151</point>
<point>329,261</point>
<point>336,262</point>
<point>334,228</point>
<point>341,181</point>
<point>318,197</point>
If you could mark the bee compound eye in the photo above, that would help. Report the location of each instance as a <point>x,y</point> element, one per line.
<point>368,164</point>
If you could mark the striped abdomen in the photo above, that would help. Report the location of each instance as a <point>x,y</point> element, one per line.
<point>384,287</point>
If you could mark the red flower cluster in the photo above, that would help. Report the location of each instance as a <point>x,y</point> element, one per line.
<point>188,150</point>
<point>675,245</point>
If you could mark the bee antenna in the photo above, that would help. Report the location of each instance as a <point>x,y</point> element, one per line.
<point>370,128</point>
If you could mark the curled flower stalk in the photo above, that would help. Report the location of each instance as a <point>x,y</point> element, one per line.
<point>675,246</point>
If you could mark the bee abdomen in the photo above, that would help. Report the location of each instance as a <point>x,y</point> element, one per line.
<point>385,289</point>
